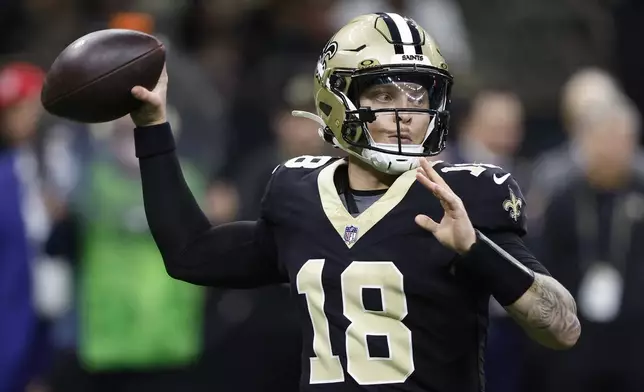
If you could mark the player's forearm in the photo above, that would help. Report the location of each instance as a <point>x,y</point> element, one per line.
<point>173,215</point>
<point>548,313</point>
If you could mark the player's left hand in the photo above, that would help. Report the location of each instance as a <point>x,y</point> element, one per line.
<point>455,231</point>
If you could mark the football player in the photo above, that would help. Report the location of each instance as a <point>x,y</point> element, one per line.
<point>391,256</point>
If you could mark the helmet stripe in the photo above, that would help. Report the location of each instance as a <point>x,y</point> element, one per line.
<point>415,34</point>
<point>394,32</point>
<point>404,32</point>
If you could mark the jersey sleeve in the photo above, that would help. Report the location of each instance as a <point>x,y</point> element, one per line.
<point>492,197</point>
<point>278,192</point>
<point>235,255</point>
<point>514,245</point>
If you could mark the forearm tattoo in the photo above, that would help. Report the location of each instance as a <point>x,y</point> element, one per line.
<point>548,311</point>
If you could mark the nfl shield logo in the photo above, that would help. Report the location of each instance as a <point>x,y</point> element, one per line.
<point>350,234</point>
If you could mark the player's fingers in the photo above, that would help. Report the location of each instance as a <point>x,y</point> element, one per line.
<point>426,164</point>
<point>420,173</point>
<point>450,202</point>
<point>428,167</point>
<point>448,199</point>
<point>431,185</point>
<point>426,223</point>
<point>423,179</point>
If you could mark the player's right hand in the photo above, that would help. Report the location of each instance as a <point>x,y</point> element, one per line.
<point>153,110</point>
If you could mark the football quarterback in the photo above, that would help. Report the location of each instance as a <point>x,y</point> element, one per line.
<point>392,258</point>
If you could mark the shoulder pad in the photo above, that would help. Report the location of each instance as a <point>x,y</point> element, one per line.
<point>491,195</point>
<point>290,174</point>
<point>311,162</point>
<point>299,167</point>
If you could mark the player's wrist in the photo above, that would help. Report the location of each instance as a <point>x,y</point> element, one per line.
<point>468,244</point>
<point>152,123</point>
<point>154,139</point>
<point>500,273</point>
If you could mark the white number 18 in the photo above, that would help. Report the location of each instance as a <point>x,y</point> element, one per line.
<point>366,370</point>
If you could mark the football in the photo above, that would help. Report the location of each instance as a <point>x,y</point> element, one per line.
<point>91,80</point>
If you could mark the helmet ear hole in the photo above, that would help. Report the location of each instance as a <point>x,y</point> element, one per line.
<point>325,108</point>
<point>338,82</point>
<point>353,132</point>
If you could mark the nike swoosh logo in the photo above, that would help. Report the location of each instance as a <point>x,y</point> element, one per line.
<point>501,180</point>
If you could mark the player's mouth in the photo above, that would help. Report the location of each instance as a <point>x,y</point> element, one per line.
<point>405,138</point>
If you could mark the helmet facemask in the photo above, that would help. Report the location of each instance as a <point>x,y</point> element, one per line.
<point>425,91</point>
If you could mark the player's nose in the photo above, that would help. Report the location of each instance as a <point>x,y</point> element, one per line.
<point>404,117</point>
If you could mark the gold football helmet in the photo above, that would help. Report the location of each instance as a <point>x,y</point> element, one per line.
<point>372,49</point>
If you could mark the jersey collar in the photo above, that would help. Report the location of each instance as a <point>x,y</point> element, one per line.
<point>350,228</point>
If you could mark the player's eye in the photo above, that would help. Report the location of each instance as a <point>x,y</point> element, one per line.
<point>384,97</point>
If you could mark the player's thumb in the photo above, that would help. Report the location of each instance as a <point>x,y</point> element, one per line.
<point>426,223</point>
<point>142,94</point>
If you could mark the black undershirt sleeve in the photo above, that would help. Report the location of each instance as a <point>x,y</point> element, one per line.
<point>234,255</point>
<point>514,245</point>
<point>500,264</point>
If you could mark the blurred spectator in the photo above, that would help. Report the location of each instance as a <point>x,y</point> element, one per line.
<point>491,132</point>
<point>139,329</point>
<point>589,242</point>
<point>29,283</point>
<point>587,90</point>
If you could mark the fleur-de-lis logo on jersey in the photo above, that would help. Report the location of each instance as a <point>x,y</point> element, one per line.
<point>513,205</point>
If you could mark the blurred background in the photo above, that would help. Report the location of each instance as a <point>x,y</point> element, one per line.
<point>550,90</point>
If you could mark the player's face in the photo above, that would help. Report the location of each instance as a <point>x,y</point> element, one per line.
<point>403,96</point>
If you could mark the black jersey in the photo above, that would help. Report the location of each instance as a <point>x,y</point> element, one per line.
<point>380,306</point>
